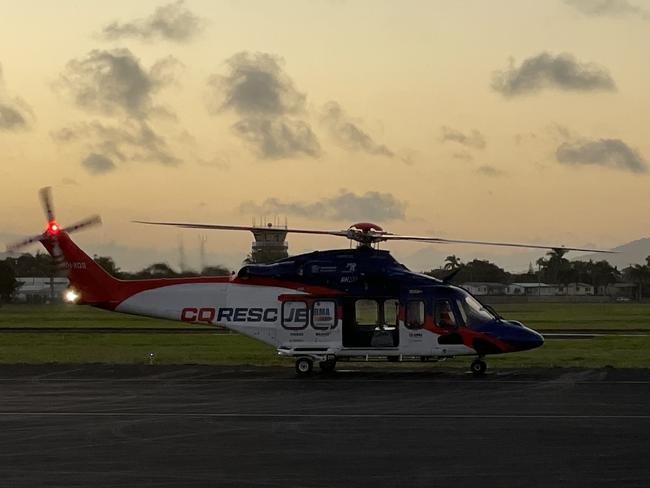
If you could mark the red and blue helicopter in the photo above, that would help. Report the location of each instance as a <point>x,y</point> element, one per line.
<point>323,306</point>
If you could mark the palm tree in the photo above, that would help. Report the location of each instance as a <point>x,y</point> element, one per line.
<point>556,253</point>
<point>557,268</point>
<point>452,262</point>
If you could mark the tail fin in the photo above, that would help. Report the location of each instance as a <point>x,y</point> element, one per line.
<point>94,285</point>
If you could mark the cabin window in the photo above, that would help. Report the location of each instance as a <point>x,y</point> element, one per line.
<point>390,312</point>
<point>445,315</point>
<point>366,312</point>
<point>415,314</point>
<point>294,315</point>
<point>323,315</point>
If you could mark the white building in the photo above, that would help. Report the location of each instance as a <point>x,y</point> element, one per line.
<point>619,290</point>
<point>531,289</point>
<point>484,288</point>
<point>576,289</point>
<point>40,289</point>
<point>546,290</point>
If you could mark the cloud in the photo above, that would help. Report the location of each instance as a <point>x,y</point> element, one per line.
<point>255,85</point>
<point>474,139</point>
<point>115,83</point>
<point>257,89</point>
<point>11,117</point>
<point>15,113</point>
<point>607,8</point>
<point>218,161</point>
<point>97,164</point>
<point>345,206</point>
<point>348,133</point>
<point>562,72</point>
<point>523,137</point>
<point>463,156</point>
<point>490,171</point>
<point>278,138</point>
<point>171,22</point>
<point>130,141</point>
<point>613,153</point>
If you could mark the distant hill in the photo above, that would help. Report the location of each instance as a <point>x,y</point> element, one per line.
<point>633,252</point>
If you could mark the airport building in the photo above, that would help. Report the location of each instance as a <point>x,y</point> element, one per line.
<point>485,288</point>
<point>530,289</point>
<point>270,242</point>
<point>40,289</point>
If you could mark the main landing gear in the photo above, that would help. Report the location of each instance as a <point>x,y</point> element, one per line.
<point>327,366</point>
<point>305,365</point>
<point>478,367</point>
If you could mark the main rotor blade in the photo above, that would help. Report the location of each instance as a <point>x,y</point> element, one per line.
<point>371,236</point>
<point>82,224</point>
<point>15,246</point>
<point>440,240</point>
<point>341,233</point>
<point>46,200</point>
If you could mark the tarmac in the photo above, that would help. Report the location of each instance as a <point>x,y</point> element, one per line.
<point>186,426</point>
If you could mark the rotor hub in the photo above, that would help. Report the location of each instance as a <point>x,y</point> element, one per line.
<point>366,233</point>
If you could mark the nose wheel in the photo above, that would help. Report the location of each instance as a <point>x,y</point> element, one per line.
<point>478,367</point>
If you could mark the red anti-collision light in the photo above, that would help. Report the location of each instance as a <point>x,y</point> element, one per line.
<point>53,228</point>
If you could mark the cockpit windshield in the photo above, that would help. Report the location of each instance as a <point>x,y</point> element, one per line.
<point>474,312</point>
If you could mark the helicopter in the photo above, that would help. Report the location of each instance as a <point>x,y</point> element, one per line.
<point>320,307</point>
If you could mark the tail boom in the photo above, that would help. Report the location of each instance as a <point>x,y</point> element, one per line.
<point>98,288</point>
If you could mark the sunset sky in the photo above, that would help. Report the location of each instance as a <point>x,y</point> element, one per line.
<point>520,120</point>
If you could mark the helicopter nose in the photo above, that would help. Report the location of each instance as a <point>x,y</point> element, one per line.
<point>520,337</point>
<point>527,339</point>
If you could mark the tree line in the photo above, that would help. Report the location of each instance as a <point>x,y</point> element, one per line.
<point>553,268</point>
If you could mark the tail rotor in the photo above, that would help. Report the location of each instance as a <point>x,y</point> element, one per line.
<point>53,229</point>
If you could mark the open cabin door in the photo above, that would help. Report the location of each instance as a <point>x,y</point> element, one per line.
<point>309,322</point>
<point>370,322</point>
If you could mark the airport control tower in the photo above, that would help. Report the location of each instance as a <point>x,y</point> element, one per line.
<point>270,242</point>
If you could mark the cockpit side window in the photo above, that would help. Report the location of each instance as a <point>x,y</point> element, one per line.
<point>474,313</point>
<point>415,314</point>
<point>444,315</point>
<point>461,309</point>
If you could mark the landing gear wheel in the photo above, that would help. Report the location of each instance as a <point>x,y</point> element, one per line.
<point>478,367</point>
<point>327,366</point>
<point>304,366</point>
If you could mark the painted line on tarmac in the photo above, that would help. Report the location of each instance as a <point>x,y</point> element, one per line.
<point>319,415</point>
<point>341,381</point>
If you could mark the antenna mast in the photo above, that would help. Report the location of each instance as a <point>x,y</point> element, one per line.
<point>202,239</point>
